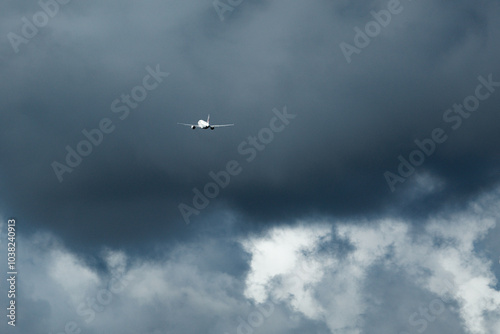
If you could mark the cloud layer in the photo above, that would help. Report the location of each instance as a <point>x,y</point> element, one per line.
<point>330,277</point>
<point>356,193</point>
<point>353,120</point>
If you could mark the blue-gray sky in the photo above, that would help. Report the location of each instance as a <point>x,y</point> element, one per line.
<point>358,188</point>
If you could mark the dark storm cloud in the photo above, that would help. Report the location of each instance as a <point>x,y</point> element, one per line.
<point>353,119</point>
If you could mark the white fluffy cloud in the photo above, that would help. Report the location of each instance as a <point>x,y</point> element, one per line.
<point>441,260</point>
<point>313,277</point>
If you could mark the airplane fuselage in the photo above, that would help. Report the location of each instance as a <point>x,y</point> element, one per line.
<point>203,124</point>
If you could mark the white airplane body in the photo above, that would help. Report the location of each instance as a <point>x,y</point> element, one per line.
<point>205,124</point>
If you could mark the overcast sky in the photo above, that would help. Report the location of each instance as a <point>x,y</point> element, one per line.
<point>357,192</point>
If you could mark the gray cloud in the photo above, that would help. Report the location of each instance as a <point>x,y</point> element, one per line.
<point>312,276</point>
<point>353,122</point>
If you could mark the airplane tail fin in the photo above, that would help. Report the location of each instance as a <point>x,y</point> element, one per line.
<point>208,119</point>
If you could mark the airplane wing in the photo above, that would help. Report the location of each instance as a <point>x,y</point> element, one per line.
<point>188,124</point>
<point>220,125</point>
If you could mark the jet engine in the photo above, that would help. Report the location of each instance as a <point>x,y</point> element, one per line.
<point>193,127</point>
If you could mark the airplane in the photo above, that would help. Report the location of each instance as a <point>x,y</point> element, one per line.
<point>205,124</point>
